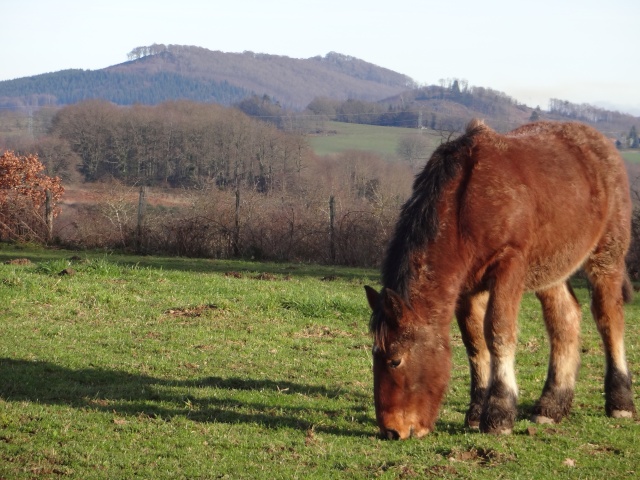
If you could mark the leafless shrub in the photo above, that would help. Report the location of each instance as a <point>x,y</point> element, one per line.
<point>633,257</point>
<point>292,224</point>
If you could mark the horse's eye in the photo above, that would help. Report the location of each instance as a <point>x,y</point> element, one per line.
<point>394,363</point>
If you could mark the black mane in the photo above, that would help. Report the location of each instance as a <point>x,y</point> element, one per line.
<point>418,222</point>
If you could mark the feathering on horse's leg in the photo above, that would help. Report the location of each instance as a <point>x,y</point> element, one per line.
<point>470,313</point>
<point>562,317</point>
<point>499,409</point>
<point>608,312</point>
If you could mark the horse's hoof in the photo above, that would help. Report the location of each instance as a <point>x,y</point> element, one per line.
<point>542,420</point>
<point>621,414</point>
<point>473,425</point>
<point>498,431</point>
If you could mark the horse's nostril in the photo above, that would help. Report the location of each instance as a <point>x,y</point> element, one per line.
<point>392,435</point>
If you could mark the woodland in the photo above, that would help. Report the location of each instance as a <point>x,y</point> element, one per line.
<point>162,73</point>
<point>335,86</point>
<point>205,180</point>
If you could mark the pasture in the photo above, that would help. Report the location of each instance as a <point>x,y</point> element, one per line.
<point>632,156</point>
<point>340,137</point>
<point>179,368</point>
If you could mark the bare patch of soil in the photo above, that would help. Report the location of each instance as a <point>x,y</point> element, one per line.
<point>18,261</point>
<point>191,312</point>
<point>482,456</point>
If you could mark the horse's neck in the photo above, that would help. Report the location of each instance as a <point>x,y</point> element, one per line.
<point>434,294</point>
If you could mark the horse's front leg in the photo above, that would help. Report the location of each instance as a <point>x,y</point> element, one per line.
<point>500,329</point>
<point>470,313</point>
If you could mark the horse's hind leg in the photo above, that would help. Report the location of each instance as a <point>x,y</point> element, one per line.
<point>470,313</point>
<point>608,312</point>
<point>562,317</point>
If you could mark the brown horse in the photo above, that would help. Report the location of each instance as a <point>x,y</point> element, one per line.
<point>493,216</point>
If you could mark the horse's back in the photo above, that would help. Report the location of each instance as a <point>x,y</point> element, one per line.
<point>550,191</point>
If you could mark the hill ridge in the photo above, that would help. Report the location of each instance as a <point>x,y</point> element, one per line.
<point>160,73</point>
<point>199,74</point>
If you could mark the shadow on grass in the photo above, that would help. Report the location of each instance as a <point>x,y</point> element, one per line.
<point>124,393</point>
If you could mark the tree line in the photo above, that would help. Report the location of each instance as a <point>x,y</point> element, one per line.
<point>585,112</point>
<point>179,144</point>
<point>242,186</point>
<point>435,107</point>
<point>238,187</point>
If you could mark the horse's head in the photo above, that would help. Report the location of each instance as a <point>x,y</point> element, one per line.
<point>411,364</point>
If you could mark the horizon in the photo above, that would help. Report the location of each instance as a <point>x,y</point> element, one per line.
<point>579,51</point>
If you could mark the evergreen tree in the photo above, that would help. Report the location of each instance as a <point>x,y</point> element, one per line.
<point>455,89</point>
<point>535,115</point>
<point>633,137</point>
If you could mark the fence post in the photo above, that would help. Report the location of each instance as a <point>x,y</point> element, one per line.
<point>142,203</point>
<point>236,233</point>
<point>48,212</point>
<point>332,240</point>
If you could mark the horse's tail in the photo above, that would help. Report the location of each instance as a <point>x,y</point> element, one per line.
<point>627,288</point>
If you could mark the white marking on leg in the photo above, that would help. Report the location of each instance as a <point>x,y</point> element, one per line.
<point>504,372</point>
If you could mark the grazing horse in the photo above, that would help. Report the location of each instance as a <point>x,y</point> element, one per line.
<point>492,216</point>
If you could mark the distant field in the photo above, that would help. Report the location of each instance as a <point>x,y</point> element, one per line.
<point>342,137</point>
<point>631,155</point>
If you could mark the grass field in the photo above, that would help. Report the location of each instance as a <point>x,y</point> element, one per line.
<point>384,140</point>
<point>160,368</point>
<point>631,155</point>
<point>351,136</point>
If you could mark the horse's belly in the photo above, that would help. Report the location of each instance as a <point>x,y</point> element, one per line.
<point>554,267</point>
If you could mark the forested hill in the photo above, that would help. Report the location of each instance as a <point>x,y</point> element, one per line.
<point>334,86</point>
<point>121,87</point>
<point>159,73</point>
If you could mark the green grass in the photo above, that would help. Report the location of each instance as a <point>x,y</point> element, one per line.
<point>351,136</point>
<point>178,368</point>
<point>632,156</point>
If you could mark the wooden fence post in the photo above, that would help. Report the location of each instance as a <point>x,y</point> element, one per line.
<point>332,217</point>
<point>48,212</point>
<point>236,233</point>
<point>142,205</point>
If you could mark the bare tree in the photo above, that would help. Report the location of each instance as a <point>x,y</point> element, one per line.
<point>413,149</point>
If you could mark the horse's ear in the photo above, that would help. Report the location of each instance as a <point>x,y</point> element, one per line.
<point>373,297</point>
<point>392,305</point>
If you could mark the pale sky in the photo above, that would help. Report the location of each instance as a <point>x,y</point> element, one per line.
<point>584,51</point>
